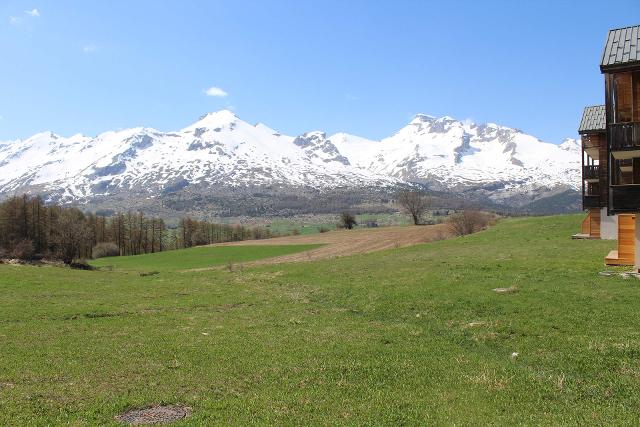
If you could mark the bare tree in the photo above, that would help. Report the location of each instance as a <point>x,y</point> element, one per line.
<point>467,221</point>
<point>415,203</point>
<point>347,220</point>
<point>71,236</point>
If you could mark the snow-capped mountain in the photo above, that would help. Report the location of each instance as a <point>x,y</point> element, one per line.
<point>220,152</point>
<point>448,153</point>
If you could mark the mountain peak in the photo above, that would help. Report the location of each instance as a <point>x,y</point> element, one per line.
<point>43,136</point>
<point>214,119</point>
<point>422,118</point>
<point>224,115</point>
<point>570,144</point>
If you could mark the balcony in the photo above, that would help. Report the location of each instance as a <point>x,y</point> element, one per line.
<point>591,201</point>
<point>624,198</point>
<point>591,173</point>
<point>593,143</point>
<point>624,137</point>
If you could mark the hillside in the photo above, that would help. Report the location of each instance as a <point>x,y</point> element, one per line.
<point>404,336</point>
<point>225,167</point>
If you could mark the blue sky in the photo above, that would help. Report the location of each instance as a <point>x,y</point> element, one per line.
<point>363,67</point>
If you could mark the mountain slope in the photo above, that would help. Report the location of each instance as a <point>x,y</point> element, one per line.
<point>448,154</point>
<point>220,154</point>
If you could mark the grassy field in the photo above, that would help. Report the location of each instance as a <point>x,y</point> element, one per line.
<point>314,223</point>
<point>404,336</point>
<point>199,257</point>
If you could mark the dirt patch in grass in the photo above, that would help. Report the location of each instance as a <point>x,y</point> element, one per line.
<point>349,242</point>
<point>149,273</point>
<point>37,263</point>
<point>154,415</point>
<point>96,315</point>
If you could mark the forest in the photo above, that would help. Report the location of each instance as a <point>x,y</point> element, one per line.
<point>32,229</point>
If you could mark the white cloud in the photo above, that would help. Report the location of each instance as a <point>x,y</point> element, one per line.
<point>14,20</point>
<point>88,48</point>
<point>1,117</point>
<point>215,91</point>
<point>33,12</point>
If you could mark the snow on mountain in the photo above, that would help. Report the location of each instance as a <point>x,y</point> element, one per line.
<point>222,150</point>
<point>450,153</point>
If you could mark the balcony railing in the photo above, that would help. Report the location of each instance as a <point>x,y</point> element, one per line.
<point>624,136</point>
<point>591,172</point>
<point>591,201</point>
<point>624,198</point>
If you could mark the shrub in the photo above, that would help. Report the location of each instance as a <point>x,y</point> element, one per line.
<point>260,233</point>
<point>23,250</point>
<point>467,222</point>
<point>81,265</point>
<point>105,249</point>
<point>323,229</point>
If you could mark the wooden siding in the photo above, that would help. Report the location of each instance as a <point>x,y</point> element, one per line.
<point>627,238</point>
<point>591,224</point>
<point>625,255</point>
<point>594,230</point>
<point>586,224</point>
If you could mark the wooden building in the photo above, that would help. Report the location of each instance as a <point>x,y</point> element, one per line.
<point>621,68</point>
<point>595,179</point>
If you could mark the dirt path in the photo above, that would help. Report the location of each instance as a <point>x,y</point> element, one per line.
<point>349,242</point>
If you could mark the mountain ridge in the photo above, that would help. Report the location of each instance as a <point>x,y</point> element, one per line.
<point>221,151</point>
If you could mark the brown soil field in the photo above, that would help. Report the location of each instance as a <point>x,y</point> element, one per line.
<point>348,242</point>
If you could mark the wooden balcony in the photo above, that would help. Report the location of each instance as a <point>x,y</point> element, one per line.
<point>624,198</point>
<point>591,173</point>
<point>593,144</point>
<point>624,140</point>
<point>592,201</point>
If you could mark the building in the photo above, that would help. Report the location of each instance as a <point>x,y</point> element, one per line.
<point>595,178</point>
<point>620,65</point>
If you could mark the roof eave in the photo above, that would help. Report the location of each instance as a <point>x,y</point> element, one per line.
<point>591,131</point>
<point>627,66</point>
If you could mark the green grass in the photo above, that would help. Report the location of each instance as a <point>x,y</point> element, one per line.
<point>199,257</point>
<point>287,226</point>
<point>311,224</point>
<point>406,336</point>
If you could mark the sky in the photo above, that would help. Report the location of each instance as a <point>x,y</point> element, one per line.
<point>362,67</point>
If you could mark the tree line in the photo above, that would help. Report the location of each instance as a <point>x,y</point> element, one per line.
<point>29,228</point>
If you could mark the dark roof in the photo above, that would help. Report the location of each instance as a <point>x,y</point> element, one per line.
<point>622,47</point>
<point>594,119</point>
